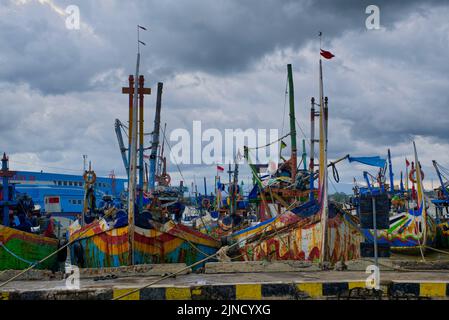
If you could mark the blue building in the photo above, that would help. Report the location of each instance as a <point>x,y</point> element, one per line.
<point>63,194</point>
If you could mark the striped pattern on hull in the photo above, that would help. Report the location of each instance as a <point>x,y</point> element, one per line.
<point>405,233</point>
<point>290,237</point>
<point>165,243</point>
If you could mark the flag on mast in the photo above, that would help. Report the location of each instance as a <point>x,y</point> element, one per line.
<point>326,54</point>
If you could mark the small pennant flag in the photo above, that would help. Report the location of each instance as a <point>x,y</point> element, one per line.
<point>219,168</point>
<point>406,162</point>
<point>283,145</point>
<point>327,54</point>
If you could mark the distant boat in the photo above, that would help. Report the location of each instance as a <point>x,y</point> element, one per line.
<point>412,230</point>
<point>442,207</point>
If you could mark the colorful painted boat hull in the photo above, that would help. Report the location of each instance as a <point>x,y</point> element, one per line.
<point>404,235</point>
<point>291,237</point>
<point>165,243</point>
<point>18,250</point>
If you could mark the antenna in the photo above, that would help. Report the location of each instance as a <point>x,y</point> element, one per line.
<point>138,38</point>
<point>84,161</point>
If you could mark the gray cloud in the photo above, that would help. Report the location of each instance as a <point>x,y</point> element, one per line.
<point>222,62</point>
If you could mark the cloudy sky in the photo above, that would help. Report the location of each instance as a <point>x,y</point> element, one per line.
<point>224,63</point>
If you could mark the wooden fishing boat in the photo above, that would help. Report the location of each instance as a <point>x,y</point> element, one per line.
<point>21,249</point>
<point>97,245</point>
<point>406,233</point>
<point>292,237</point>
<point>313,230</point>
<point>143,233</point>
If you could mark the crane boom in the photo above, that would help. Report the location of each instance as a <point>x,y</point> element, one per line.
<point>121,145</point>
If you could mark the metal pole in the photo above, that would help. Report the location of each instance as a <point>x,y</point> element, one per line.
<point>375,231</point>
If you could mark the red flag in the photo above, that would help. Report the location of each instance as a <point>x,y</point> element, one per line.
<point>327,54</point>
<point>406,162</point>
<point>221,169</point>
<point>50,231</point>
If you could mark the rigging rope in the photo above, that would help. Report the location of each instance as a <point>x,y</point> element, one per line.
<point>176,163</point>
<point>256,148</point>
<point>283,113</point>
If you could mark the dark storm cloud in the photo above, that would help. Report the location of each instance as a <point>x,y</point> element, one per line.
<point>218,37</point>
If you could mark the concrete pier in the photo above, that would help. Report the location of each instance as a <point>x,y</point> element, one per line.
<point>226,281</point>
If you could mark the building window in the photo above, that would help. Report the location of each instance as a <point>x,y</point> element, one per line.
<point>65,183</point>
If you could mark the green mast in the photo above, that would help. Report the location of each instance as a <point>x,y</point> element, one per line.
<point>304,154</point>
<point>292,121</point>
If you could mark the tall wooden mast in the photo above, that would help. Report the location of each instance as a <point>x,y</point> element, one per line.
<point>421,200</point>
<point>133,158</point>
<point>291,93</point>
<point>155,143</point>
<point>323,168</point>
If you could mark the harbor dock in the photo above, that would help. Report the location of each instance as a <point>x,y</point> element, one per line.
<point>291,280</point>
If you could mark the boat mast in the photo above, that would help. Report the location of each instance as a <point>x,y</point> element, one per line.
<point>312,148</point>
<point>304,155</point>
<point>421,197</point>
<point>390,169</point>
<point>155,143</point>
<point>133,160</point>
<point>292,122</point>
<point>323,168</point>
<point>141,118</point>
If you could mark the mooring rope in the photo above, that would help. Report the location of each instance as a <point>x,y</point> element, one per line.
<point>175,273</point>
<point>15,255</point>
<point>208,257</point>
